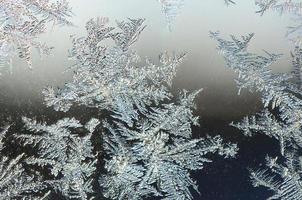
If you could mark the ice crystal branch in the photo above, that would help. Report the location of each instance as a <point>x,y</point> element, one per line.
<point>149,143</point>
<point>69,156</point>
<point>283,180</point>
<point>297,67</point>
<point>285,6</point>
<point>254,73</point>
<point>294,31</point>
<point>22,21</point>
<point>14,182</point>
<point>282,117</point>
<point>155,158</point>
<point>113,77</point>
<point>171,9</point>
<point>281,6</point>
<point>229,2</point>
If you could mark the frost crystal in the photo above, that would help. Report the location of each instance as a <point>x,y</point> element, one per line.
<point>282,116</point>
<point>14,182</point>
<point>155,158</point>
<point>68,155</point>
<point>22,21</point>
<point>171,9</point>
<point>149,144</point>
<point>297,67</point>
<point>281,6</point>
<point>113,77</point>
<point>229,2</point>
<point>283,180</point>
<point>285,6</point>
<point>254,73</point>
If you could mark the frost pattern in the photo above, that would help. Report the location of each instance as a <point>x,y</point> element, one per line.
<point>281,119</point>
<point>68,156</point>
<point>171,9</point>
<point>283,179</point>
<point>285,6</point>
<point>229,2</point>
<point>22,21</point>
<point>156,157</point>
<point>113,77</point>
<point>297,68</point>
<point>254,73</point>
<point>14,182</point>
<point>281,6</point>
<point>149,143</point>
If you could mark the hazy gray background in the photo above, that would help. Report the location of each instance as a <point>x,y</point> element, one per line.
<point>203,67</point>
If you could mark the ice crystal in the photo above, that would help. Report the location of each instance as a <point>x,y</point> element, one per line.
<point>294,31</point>
<point>113,77</point>
<point>22,21</point>
<point>283,179</point>
<point>297,67</point>
<point>171,9</point>
<point>285,6</point>
<point>282,116</point>
<point>68,156</point>
<point>155,158</point>
<point>281,6</point>
<point>14,182</point>
<point>149,143</point>
<point>276,89</point>
<point>229,2</point>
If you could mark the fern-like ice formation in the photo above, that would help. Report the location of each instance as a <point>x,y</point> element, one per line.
<point>281,119</point>
<point>229,2</point>
<point>113,77</point>
<point>15,183</point>
<point>22,21</point>
<point>281,6</point>
<point>254,73</point>
<point>285,6</point>
<point>284,180</point>
<point>68,156</point>
<point>155,158</point>
<point>149,143</point>
<point>297,69</point>
<point>171,9</point>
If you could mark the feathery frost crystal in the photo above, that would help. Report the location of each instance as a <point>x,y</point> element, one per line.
<point>282,117</point>
<point>149,142</point>
<point>292,7</point>
<point>229,2</point>
<point>22,21</point>
<point>171,9</point>
<point>15,182</point>
<point>69,156</point>
<point>155,158</point>
<point>113,77</point>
